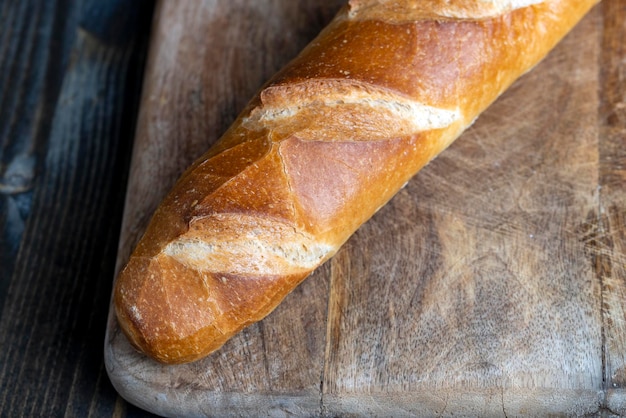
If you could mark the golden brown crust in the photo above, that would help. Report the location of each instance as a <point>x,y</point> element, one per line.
<point>328,141</point>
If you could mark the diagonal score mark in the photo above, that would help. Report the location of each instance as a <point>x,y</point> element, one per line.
<point>414,10</point>
<point>238,245</point>
<point>344,110</point>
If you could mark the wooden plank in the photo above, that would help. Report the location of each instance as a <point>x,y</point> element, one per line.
<point>70,88</point>
<point>34,49</point>
<point>489,286</point>
<point>488,299</point>
<point>609,247</point>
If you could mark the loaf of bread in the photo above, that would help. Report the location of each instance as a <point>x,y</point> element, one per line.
<point>330,139</point>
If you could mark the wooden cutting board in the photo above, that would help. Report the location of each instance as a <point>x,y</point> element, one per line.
<point>493,284</point>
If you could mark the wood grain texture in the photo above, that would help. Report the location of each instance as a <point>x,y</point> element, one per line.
<point>492,285</point>
<point>609,242</point>
<point>488,287</point>
<point>33,46</point>
<point>70,76</point>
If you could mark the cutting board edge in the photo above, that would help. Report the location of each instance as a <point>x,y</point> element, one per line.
<point>468,401</point>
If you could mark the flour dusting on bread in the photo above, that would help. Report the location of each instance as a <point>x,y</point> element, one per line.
<point>245,244</point>
<point>345,110</point>
<point>413,10</point>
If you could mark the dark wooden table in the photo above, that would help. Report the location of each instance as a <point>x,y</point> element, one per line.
<point>71,75</point>
<point>70,78</point>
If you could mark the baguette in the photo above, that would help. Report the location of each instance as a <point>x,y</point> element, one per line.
<point>330,139</point>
